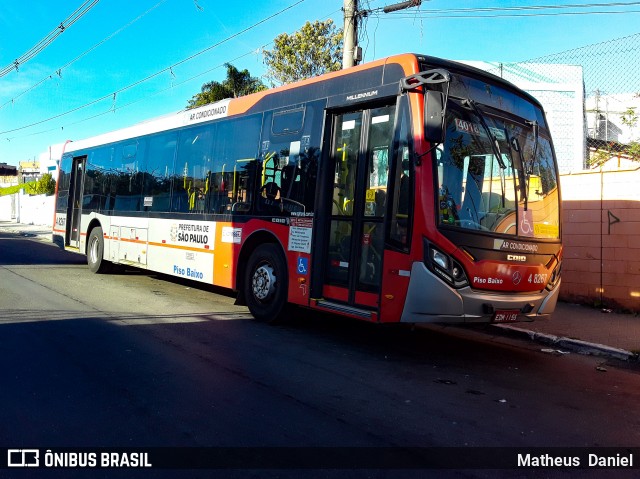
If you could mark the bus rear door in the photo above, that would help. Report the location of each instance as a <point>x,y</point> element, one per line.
<point>74,207</point>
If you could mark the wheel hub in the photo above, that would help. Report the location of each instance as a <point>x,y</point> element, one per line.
<point>93,250</point>
<point>263,282</point>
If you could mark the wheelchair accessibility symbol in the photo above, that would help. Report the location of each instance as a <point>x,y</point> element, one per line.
<point>303,265</point>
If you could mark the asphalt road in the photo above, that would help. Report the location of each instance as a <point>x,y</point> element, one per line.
<point>139,360</point>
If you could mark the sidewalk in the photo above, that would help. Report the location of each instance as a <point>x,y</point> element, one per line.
<point>582,329</point>
<point>572,327</point>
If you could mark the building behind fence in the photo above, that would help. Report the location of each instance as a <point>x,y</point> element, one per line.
<point>591,96</point>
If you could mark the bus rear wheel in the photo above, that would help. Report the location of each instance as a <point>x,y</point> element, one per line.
<point>95,252</point>
<point>266,283</point>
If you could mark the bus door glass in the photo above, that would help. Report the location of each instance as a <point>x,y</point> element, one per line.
<point>361,148</point>
<point>75,206</point>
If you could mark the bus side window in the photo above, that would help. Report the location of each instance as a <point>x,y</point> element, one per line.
<point>158,176</point>
<point>97,180</point>
<point>235,149</point>
<point>304,190</point>
<point>193,164</point>
<point>64,182</point>
<point>130,161</point>
<point>290,152</point>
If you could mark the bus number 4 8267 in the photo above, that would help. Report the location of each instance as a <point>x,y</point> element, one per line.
<point>538,278</point>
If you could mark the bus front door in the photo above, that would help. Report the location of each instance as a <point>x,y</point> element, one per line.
<point>359,169</point>
<point>74,208</point>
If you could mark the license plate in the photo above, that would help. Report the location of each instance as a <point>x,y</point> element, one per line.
<point>507,316</point>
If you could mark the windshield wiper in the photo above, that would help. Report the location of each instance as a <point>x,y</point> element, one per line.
<point>535,127</point>
<point>514,144</point>
<point>471,105</point>
<point>527,168</point>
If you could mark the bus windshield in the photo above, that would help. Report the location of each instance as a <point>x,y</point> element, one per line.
<point>496,174</point>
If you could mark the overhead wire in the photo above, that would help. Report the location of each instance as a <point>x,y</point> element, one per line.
<point>48,39</point>
<point>424,14</point>
<point>138,100</point>
<point>173,85</point>
<point>517,11</point>
<point>113,94</point>
<point>86,52</point>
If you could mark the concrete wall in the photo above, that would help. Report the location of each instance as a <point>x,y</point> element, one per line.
<point>31,210</point>
<point>601,235</point>
<point>8,207</point>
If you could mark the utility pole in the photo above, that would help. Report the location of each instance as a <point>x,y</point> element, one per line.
<point>351,52</point>
<point>350,32</point>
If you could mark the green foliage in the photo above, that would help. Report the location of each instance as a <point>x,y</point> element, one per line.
<point>630,119</point>
<point>46,185</point>
<point>313,50</point>
<point>29,188</point>
<point>631,150</point>
<point>238,83</point>
<point>600,157</point>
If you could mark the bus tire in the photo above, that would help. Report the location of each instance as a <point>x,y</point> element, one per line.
<point>95,252</point>
<point>266,283</point>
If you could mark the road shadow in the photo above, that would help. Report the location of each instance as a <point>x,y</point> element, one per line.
<point>16,249</point>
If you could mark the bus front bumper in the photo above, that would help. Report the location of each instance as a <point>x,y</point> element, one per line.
<point>431,300</point>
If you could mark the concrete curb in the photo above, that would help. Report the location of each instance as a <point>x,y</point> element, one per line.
<point>575,345</point>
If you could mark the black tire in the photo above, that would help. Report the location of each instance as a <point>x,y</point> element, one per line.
<point>266,283</point>
<point>95,252</point>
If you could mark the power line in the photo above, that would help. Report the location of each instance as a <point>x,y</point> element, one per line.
<point>173,85</point>
<point>519,11</point>
<point>516,8</point>
<point>86,52</point>
<point>133,102</point>
<point>153,75</point>
<point>539,7</point>
<point>47,40</point>
<point>507,15</point>
<point>169,69</point>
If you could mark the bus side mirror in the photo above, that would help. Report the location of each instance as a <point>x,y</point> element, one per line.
<point>434,108</point>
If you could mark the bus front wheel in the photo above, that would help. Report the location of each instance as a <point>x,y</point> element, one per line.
<point>266,283</point>
<point>95,252</point>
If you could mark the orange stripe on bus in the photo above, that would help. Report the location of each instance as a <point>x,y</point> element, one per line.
<point>204,249</point>
<point>185,248</point>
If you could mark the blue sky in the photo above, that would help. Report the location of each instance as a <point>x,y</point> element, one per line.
<point>136,39</point>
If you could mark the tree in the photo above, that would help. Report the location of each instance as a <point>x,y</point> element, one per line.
<point>45,185</point>
<point>313,50</point>
<point>238,83</point>
<point>630,119</point>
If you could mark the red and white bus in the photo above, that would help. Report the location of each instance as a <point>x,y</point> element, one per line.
<point>408,189</point>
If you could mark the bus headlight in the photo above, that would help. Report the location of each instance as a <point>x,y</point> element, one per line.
<point>439,259</point>
<point>444,266</point>
<point>555,276</point>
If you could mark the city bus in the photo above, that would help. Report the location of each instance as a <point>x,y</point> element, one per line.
<point>409,189</point>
